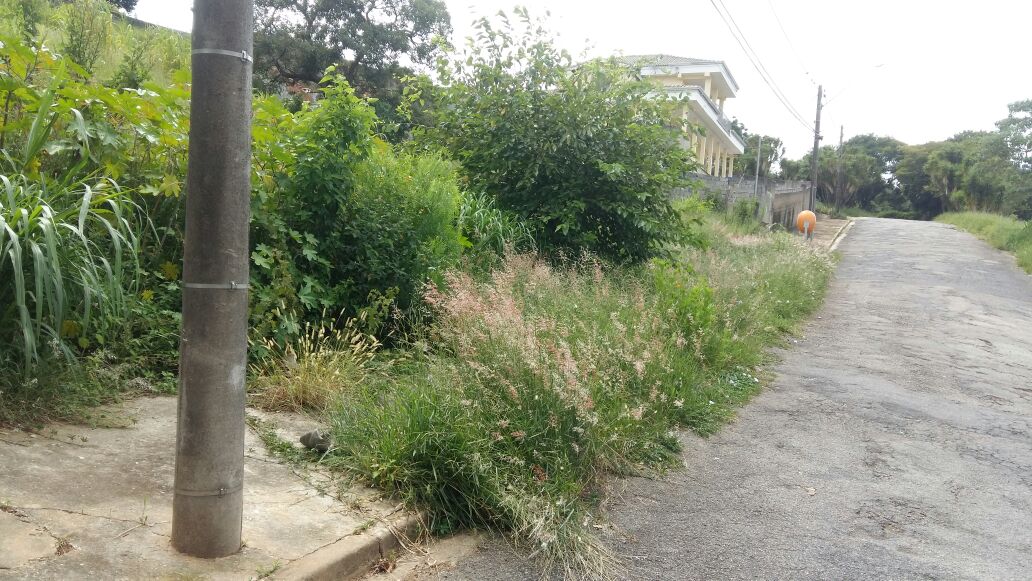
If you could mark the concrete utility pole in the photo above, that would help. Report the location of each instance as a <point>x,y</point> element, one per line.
<point>207,509</point>
<point>816,148</point>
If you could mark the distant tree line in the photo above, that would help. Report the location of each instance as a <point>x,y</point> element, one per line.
<point>973,170</point>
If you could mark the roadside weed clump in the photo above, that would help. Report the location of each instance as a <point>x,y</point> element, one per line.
<point>763,285</point>
<point>545,378</point>
<point>313,371</point>
<point>489,232</point>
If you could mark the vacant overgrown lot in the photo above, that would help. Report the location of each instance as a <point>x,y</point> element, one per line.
<point>1003,232</point>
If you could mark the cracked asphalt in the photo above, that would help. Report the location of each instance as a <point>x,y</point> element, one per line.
<point>894,443</point>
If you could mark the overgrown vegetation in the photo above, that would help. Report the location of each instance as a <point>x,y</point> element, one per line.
<point>585,154</point>
<point>551,377</point>
<point>1003,232</point>
<point>494,316</point>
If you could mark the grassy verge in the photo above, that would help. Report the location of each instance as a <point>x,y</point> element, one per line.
<point>1003,232</point>
<point>545,379</point>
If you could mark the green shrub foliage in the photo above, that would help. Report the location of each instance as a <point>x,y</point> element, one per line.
<point>586,154</point>
<point>347,224</point>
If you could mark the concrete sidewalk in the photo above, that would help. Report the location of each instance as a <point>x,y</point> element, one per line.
<point>96,503</point>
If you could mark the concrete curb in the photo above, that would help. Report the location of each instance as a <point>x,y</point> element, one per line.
<point>353,557</point>
<point>841,234</point>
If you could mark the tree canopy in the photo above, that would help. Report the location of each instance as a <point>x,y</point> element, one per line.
<point>369,40</point>
<point>585,154</point>
<point>973,170</point>
<point>771,151</point>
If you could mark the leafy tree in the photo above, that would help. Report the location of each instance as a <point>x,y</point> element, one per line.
<point>368,40</point>
<point>886,152</point>
<point>975,170</point>
<point>971,170</point>
<point>854,171</point>
<point>585,153</point>
<point>792,169</point>
<point>1016,130</point>
<point>945,169</point>
<point>913,180</point>
<point>771,152</point>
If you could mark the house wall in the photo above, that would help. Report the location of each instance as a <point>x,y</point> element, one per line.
<point>717,148</point>
<point>780,201</point>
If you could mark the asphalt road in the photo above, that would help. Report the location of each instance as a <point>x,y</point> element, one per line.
<point>894,443</point>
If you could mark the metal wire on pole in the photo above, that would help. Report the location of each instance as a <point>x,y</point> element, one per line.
<point>207,509</point>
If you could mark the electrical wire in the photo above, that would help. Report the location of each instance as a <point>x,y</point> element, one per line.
<point>754,59</point>
<point>761,68</point>
<point>791,45</point>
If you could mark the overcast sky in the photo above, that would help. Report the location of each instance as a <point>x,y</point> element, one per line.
<point>918,70</point>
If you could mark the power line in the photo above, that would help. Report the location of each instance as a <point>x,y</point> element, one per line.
<point>791,45</point>
<point>759,61</point>
<point>754,59</point>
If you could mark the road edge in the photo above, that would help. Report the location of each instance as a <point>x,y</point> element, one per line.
<point>841,234</point>
<point>353,557</point>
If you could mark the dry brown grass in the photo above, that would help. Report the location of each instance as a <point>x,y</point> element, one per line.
<point>313,372</point>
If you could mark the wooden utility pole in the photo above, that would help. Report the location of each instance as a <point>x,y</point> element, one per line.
<point>759,148</point>
<point>840,186</point>
<point>207,508</point>
<point>816,148</point>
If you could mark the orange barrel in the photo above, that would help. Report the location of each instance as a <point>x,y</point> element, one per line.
<point>806,222</point>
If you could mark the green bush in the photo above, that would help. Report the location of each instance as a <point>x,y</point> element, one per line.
<point>585,154</point>
<point>65,254</point>
<point>68,251</point>
<point>398,228</point>
<point>342,222</point>
<point>744,211</point>
<point>898,215</point>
